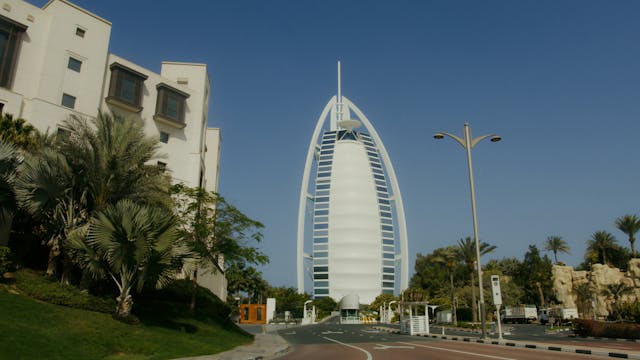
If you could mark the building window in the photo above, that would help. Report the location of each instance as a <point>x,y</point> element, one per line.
<point>80,32</point>
<point>74,64</point>
<point>171,105</point>
<point>68,101</point>
<point>162,166</point>
<point>125,88</point>
<point>164,137</point>
<point>10,33</point>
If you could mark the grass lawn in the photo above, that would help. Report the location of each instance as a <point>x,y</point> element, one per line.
<point>32,329</point>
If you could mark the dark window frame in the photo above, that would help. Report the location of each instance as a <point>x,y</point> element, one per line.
<point>166,95</point>
<point>120,76</point>
<point>13,31</point>
<point>74,64</point>
<point>164,137</point>
<point>68,97</point>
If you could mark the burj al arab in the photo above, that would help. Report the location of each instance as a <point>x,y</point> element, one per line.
<point>352,233</point>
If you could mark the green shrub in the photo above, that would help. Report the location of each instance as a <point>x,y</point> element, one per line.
<point>464,314</point>
<point>594,328</point>
<point>176,298</point>
<point>631,311</point>
<point>38,286</point>
<point>5,260</point>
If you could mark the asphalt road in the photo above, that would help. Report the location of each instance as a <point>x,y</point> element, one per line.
<point>538,333</point>
<point>363,342</point>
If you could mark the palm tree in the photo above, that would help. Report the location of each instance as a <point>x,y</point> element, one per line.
<point>90,166</point>
<point>18,132</point>
<point>467,254</point>
<point>556,244</point>
<point>601,243</point>
<point>47,188</point>
<point>630,225</point>
<point>584,293</point>
<point>615,292</point>
<point>133,245</point>
<point>449,258</point>
<point>111,157</point>
<point>9,160</point>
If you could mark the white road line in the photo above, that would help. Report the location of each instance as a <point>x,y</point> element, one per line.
<point>385,347</point>
<point>369,357</point>
<point>459,351</point>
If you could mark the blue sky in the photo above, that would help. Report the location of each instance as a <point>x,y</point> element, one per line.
<point>558,80</point>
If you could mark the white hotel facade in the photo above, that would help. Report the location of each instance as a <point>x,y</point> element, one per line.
<point>355,241</point>
<point>55,61</point>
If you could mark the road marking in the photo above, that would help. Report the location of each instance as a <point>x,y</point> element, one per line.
<point>371,331</point>
<point>459,351</point>
<point>331,332</point>
<point>385,347</point>
<point>369,357</point>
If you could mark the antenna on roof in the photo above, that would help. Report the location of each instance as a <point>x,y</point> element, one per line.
<point>339,105</point>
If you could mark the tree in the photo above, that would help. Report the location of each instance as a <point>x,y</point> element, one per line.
<point>18,132</point>
<point>380,300</point>
<point>414,294</point>
<point>288,299</point>
<point>217,233</point>
<point>242,279</point>
<point>430,274</point>
<point>584,293</point>
<point>46,189</point>
<point>448,258</point>
<point>615,292</point>
<point>467,254</point>
<point>600,244</point>
<point>90,166</point>
<point>535,277</point>
<point>630,225</point>
<point>9,161</point>
<point>133,245</point>
<point>325,306</point>
<point>556,244</point>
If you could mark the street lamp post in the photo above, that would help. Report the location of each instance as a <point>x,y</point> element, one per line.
<point>468,143</point>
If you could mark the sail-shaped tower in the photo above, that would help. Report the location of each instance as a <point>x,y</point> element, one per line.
<point>351,224</point>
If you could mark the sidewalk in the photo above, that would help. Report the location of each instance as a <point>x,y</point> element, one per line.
<point>266,345</point>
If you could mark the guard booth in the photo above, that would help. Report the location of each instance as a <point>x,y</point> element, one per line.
<point>411,322</point>
<point>253,314</point>
<point>350,309</point>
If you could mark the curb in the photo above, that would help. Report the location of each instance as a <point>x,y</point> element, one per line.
<point>538,346</point>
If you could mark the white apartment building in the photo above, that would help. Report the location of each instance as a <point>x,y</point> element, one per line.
<point>55,61</point>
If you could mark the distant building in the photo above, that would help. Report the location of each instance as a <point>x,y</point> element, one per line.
<point>358,236</point>
<point>55,61</point>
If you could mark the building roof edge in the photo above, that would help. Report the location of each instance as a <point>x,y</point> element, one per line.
<point>79,9</point>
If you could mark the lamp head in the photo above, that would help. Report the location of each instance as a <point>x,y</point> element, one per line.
<point>495,138</point>
<point>438,136</point>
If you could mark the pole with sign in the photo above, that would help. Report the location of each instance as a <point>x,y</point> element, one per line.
<point>497,300</point>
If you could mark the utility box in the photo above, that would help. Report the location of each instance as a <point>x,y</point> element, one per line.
<point>495,290</point>
<point>444,317</point>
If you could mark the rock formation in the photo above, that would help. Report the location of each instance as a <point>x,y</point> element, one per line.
<point>566,280</point>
